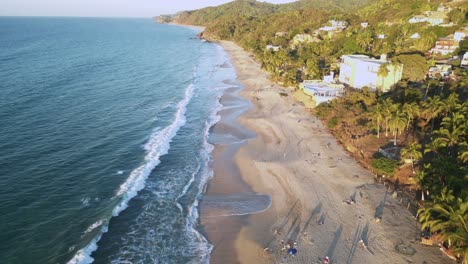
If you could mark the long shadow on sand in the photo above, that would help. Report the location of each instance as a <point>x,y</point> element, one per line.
<point>281,226</point>
<point>379,210</point>
<point>334,243</point>
<point>315,212</point>
<point>354,244</point>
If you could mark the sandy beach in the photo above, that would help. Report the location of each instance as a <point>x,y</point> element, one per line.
<point>281,151</point>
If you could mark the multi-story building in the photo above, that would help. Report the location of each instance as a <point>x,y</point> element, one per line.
<point>445,46</point>
<point>361,71</point>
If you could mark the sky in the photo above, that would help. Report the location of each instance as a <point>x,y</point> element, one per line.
<point>105,8</point>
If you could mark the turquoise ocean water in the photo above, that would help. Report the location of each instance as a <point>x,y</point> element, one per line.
<point>104,144</point>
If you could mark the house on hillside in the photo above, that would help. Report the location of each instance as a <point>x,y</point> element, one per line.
<point>444,9</point>
<point>304,38</point>
<point>460,34</point>
<point>432,17</point>
<point>440,70</point>
<point>417,19</point>
<point>436,19</point>
<point>271,47</point>
<point>281,34</point>
<point>364,24</point>
<point>334,25</point>
<point>415,36</point>
<point>322,90</point>
<point>360,70</point>
<point>444,46</point>
<point>464,61</point>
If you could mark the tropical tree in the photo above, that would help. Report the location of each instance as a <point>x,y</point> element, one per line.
<point>451,104</point>
<point>377,116</point>
<point>449,216</point>
<point>433,107</point>
<point>411,111</point>
<point>383,73</point>
<point>387,109</point>
<point>364,39</point>
<point>413,151</point>
<point>397,123</point>
<point>452,130</point>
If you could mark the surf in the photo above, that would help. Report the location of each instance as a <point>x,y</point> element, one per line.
<point>157,146</point>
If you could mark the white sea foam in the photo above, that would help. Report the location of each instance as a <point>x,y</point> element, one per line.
<point>94,226</point>
<point>85,201</point>
<point>157,146</point>
<point>120,172</point>
<point>83,256</point>
<point>207,174</point>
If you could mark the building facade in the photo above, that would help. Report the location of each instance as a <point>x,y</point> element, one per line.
<point>445,46</point>
<point>361,71</point>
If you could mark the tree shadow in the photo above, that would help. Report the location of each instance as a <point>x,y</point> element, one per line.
<point>321,220</point>
<point>294,234</point>
<point>379,209</point>
<point>365,234</point>
<point>354,244</point>
<point>315,211</point>
<point>281,226</point>
<point>293,225</point>
<point>353,197</point>
<point>334,243</point>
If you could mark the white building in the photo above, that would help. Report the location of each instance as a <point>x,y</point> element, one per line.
<point>334,25</point>
<point>415,36</point>
<point>418,19</point>
<point>432,17</point>
<point>464,62</point>
<point>359,71</point>
<point>322,91</point>
<point>271,47</point>
<point>460,35</point>
<point>364,24</point>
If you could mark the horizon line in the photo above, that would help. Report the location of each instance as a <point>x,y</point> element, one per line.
<point>71,16</point>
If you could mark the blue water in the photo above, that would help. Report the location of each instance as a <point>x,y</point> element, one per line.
<point>103,143</point>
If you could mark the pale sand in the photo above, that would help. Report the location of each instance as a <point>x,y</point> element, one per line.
<point>307,173</point>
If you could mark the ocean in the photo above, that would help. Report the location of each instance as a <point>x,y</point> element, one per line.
<point>105,139</point>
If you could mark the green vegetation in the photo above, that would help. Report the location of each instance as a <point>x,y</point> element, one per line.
<point>385,166</point>
<point>426,118</point>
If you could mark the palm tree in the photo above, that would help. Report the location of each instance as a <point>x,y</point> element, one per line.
<point>387,109</point>
<point>451,104</point>
<point>376,115</point>
<point>383,73</point>
<point>452,130</point>
<point>413,152</point>
<point>411,111</point>
<point>364,39</point>
<point>449,215</point>
<point>397,123</point>
<point>432,108</point>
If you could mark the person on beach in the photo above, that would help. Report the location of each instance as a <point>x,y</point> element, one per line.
<point>292,251</point>
<point>326,260</point>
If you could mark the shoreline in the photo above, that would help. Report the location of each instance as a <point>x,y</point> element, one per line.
<point>308,175</point>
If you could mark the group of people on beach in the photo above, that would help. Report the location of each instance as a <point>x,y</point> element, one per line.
<point>291,250</point>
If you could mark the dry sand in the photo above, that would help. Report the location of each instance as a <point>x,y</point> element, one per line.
<point>307,174</point>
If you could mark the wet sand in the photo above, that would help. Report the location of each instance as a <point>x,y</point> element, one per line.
<point>293,159</point>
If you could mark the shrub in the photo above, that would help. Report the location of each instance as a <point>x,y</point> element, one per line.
<point>333,122</point>
<point>385,166</point>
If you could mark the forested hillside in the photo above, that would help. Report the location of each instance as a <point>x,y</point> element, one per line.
<point>423,117</point>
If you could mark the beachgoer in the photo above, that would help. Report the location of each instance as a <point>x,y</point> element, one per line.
<point>292,251</point>
<point>326,260</point>
<point>283,245</point>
